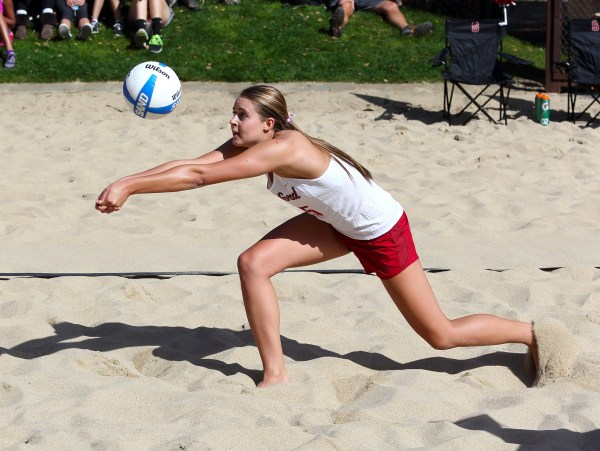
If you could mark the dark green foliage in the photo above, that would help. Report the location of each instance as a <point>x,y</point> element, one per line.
<point>256,41</point>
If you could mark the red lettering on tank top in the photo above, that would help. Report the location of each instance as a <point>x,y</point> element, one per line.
<point>287,197</point>
<point>311,212</point>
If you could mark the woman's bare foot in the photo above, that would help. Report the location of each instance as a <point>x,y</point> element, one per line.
<point>274,379</point>
<point>553,351</point>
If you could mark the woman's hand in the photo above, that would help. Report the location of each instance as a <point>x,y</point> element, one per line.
<point>112,198</point>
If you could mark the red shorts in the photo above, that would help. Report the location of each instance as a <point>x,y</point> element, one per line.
<point>387,255</point>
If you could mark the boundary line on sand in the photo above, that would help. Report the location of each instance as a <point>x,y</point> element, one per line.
<point>169,274</point>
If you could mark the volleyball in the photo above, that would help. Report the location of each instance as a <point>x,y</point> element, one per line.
<point>152,90</point>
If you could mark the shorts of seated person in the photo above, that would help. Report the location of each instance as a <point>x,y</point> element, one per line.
<point>359,5</point>
<point>66,12</point>
<point>387,255</point>
<point>171,15</point>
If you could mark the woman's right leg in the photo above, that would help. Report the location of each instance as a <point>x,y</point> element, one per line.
<point>301,241</point>
<point>159,9</point>
<point>137,17</point>
<point>96,10</point>
<point>66,19</point>
<point>115,6</point>
<point>4,34</point>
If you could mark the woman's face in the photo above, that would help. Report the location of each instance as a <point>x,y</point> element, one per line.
<point>247,126</point>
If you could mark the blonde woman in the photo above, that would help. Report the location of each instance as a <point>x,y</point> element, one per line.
<point>342,210</point>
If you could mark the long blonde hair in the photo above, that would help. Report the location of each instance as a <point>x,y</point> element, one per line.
<point>270,103</point>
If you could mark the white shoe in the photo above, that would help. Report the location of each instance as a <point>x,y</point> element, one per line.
<point>64,32</point>
<point>95,26</point>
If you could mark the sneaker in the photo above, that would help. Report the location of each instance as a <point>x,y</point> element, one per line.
<point>21,23</point>
<point>11,61</point>
<point>46,32</point>
<point>156,44</point>
<point>191,5</point>
<point>85,32</point>
<point>118,29</point>
<point>48,21</point>
<point>336,21</point>
<point>20,32</point>
<point>95,26</point>
<point>419,30</point>
<point>64,32</point>
<point>139,38</point>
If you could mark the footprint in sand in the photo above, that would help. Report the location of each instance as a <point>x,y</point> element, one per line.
<point>106,366</point>
<point>157,292</point>
<point>593,318</point>
<point>9,394</point>
<point>151,366</point>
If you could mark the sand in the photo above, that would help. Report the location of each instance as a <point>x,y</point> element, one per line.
<point>93,360</point>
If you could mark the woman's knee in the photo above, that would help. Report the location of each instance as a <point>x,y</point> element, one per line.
<point>250,262</point>
<point>386,7</point>
<point>440,339</point>
<point>440,343</point>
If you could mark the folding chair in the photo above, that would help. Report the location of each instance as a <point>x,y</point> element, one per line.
<point>583,66</point>
<point>473,56</point>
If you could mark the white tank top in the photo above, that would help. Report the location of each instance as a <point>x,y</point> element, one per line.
<point>355,207</point>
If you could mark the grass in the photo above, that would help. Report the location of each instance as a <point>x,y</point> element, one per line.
<point>256,41</point>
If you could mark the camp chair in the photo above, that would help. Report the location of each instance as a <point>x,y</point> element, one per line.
<point>583,65</point>
<point>473,56</point>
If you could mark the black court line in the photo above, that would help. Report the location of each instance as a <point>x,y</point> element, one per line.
<point>156,274</point>
<point>169,274</point>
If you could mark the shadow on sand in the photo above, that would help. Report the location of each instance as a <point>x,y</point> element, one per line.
<point>197,345</point>
<point>533,439</point>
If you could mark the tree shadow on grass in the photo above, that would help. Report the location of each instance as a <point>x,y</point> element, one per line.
<point>197,345</point>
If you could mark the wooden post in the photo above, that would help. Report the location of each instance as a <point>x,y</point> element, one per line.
<point>555,80</point>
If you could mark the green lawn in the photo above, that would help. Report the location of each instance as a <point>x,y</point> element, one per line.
<point>256,41</point>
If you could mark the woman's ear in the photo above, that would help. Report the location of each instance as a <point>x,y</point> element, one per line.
<point>269,125</point>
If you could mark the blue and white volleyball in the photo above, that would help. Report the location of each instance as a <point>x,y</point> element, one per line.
<point>152,90</point>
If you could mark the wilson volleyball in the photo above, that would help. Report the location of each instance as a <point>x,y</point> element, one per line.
<point>152,90</point>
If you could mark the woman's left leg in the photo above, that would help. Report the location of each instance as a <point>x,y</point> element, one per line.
<point>411,292</point>
<point>159,9</point>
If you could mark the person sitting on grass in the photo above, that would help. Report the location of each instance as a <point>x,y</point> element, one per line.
<point>389,9</point>
<point>5,38</point>
<point>69,12</point>
<point>116,12</point>
<point>47,17</point>
<point>148,17</point>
